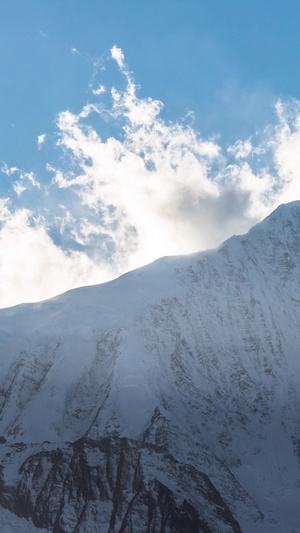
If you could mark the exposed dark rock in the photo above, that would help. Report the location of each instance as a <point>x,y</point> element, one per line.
<point>112,483</point>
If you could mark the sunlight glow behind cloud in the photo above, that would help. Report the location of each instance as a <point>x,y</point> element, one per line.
<point>156,188</point>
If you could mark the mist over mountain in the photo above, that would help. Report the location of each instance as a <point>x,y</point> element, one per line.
<point>165,401</point>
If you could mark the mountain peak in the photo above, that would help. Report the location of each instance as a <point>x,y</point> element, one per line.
<point>280,228</point>
<point>284,215</point>
<point>182,376</point>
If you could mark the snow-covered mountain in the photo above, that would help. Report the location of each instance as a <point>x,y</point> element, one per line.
<point>166,401</point>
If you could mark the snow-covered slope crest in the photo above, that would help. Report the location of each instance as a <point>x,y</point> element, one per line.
<point>194,361</point>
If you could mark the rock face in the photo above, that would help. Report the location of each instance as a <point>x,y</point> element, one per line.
<point>115,484</point>
<point>164,401</point>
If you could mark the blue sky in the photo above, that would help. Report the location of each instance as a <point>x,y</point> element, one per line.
<point>223,82</point>
<point>227,61</point>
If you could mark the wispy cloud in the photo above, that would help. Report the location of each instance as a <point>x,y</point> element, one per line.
<point>240,149</point>
<point>101,89</point>
<point>18,187</point>
<point>8,170</point>
<point>41,139</point>
<point>117,54</point>
<point>156,188</point>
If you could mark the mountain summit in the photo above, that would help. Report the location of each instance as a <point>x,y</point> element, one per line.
<point>166,401</point>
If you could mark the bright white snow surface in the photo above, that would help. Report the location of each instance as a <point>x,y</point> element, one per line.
<point>212,339</point>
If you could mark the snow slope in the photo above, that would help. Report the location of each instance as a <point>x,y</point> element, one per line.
<point>10,523</point>
<point>194,360</point>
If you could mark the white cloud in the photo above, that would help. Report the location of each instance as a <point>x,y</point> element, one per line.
<point>18,187</point>
<point>4,209</point>
<point>154,189</point>
<point>241,149</point>
<point>41,140</point>
<point>30,176</point>
<point>117,54</point>
<point>26,181</point>
<point>8,171</point>
<point>101,89</point>
<point>32,267</point>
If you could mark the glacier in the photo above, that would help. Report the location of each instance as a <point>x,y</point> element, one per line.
<point>165,401</point>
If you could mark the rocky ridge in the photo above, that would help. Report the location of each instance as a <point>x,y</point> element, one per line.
<point>164,401</point>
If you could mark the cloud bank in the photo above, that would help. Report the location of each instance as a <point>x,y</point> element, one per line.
<point>153,188</point>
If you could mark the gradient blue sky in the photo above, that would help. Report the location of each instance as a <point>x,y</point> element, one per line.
<point>226,60</point>
<point>222,69</point>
